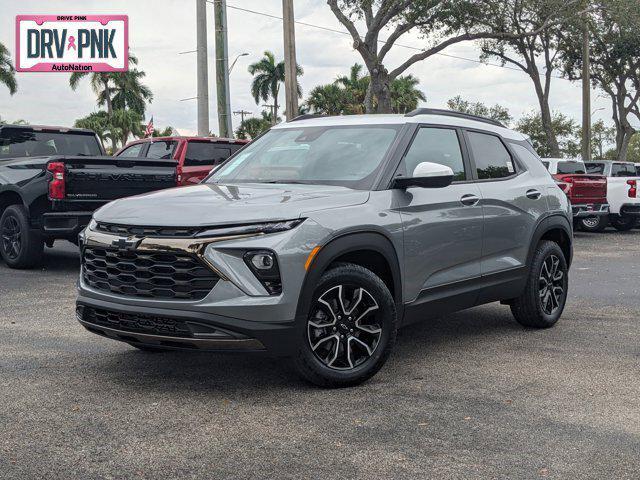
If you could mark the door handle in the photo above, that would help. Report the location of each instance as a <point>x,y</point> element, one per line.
<point>533,194</point>
<point>469,200</point>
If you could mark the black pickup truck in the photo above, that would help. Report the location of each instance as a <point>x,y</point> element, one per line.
<point>53,178</point>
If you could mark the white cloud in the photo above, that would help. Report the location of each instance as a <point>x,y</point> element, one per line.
<point>159,29</point>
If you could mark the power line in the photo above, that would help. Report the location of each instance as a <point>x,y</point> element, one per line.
<point>410,47</point>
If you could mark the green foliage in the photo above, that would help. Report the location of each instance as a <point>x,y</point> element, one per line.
<point>330,100</point>
<point>267,78</point>
<point>162,132</point>
<point>253,126</point>
<point>7,72</point>
<point>565,129</point>
<point>496,112</point>
<point>405,95</point>
<point>15,122</point>
<point>601,137</point>
<point>633,155</point>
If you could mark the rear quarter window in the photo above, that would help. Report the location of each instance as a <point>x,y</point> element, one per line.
<point>571,168</point>
<point>623,170</point>
<point>595,168</point>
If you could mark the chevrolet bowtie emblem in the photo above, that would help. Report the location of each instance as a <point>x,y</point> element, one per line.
<point>126,244</point>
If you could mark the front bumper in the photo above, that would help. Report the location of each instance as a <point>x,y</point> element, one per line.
<point>586,210</point>
<point>183,330</point>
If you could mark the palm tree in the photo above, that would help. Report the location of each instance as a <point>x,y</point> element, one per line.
<point>126,123</point>
<point>404,94</point>
<point>7,72</point>
<point>357,86</point>
<point>267,77</point>
<point>96,121</point>
<point>162,132</point>
<point>329,100</point>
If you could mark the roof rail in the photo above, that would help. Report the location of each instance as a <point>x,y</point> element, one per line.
<point>306,116</point>
<point>451,113</point>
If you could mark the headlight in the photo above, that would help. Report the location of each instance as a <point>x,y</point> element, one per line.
<point>267,227</point>
<point>264,266</point>
<point>92,225</point>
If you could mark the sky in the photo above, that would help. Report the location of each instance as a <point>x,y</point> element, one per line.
<point>160,29</point>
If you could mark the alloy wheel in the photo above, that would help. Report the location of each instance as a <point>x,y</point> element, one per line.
<point>551,285</point>
<point>11,237</point>
<point>591,222</point>
<point>343,328</point>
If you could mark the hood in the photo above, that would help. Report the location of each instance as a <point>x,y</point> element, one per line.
<point>212,204</point>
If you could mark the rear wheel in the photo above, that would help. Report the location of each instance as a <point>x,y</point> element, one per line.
<point>544,298</point>
<point>623,223</point>
<point>20,246</point>
<point>350,329</point>
<point>593,224</point>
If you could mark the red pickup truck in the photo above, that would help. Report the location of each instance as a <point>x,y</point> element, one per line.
<point>196,156</point>
<point>587,193</point>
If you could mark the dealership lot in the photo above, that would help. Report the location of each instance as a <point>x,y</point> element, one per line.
<point>472,395</point>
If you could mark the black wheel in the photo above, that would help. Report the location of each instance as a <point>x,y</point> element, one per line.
<point>594,224</point>
<point>623,223</point>
<point>544,298</point>
<point>20,246</point>
<point>350,328</point>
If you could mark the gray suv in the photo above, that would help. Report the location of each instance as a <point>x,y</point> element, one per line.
<point>322,237</point>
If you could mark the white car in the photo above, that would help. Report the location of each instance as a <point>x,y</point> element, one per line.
<point>622,191</point>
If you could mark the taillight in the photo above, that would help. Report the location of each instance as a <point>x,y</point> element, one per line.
<point>179,175</point>
<point>56,185</point>
<point>633,188</point>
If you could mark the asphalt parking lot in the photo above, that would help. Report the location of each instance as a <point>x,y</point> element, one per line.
<point>472,395</point>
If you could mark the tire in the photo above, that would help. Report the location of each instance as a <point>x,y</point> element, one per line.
<point>593,224</point>
<point>532,309</point>
<point>623,223</point>
<point>350,328</point>
<point>20,246</point>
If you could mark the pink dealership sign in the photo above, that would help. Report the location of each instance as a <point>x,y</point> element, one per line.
<point>72,43</point>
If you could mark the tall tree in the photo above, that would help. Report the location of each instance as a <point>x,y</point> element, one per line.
<point>536,55</point>
<point>267,78</point>
<point>126,123</point>
<point>444,22</point>
<point>567,132</point>
<point>7,72</point>
<point>357,86</point>
<point>601,137</point>
<point>615,63</point>
<point>405,95</point>
<point>495,112</point>
<point>329,100</point>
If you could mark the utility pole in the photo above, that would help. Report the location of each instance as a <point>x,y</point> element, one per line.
<point>202,66</point>
<point>586,93</point>
<point>242,113</point>
<point>290,64</point>
<point>222,68</point>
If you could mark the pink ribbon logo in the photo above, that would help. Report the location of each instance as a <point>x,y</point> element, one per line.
<point>72,43</point>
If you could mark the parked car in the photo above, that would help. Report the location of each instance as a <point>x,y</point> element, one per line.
<point>622,191</point>
<point>51,181</point>
<point>356,226</point>
<point>196,156</point>
<point>587,193</point>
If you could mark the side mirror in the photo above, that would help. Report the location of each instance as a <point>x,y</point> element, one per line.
<point>427,175</point>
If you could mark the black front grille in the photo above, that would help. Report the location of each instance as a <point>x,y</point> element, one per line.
<point>128,230</point>
<point>172,276</point>
<point>135,322</point>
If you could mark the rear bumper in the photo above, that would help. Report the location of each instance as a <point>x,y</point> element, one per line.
<point>65,224</point>
<point>585,210</point>
<point>632,210</point>
<point>182,329</point>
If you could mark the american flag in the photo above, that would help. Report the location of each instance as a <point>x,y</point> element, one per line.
<point>149,130</point>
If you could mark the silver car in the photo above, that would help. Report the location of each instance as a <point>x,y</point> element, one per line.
<point>322,237</point>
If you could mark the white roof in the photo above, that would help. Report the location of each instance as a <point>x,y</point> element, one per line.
<point>401,120</point>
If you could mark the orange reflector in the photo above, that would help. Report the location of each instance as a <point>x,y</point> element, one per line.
<point>310,258</point>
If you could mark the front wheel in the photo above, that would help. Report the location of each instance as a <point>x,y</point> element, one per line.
<point>593,224</point>
<point>350,328</point>
<point>545,295</point>
<point>623,223</point>
<point>20,246</point>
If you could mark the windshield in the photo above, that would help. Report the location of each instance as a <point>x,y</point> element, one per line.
<point>343,155</point>
<point>571,167</point>
<point>21,142</point>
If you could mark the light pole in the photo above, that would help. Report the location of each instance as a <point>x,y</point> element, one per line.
<point>202,67</point>
<point>233,64</point>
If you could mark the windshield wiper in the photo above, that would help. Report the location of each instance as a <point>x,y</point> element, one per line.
<point>295,182</point>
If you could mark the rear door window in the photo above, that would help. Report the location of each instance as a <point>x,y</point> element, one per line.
<point>571,168</point>
<point>207,153</point>
<point>132,151</point>
<point>595,168</point>
<point>162,150</point>
<point>492,159</point>
<point>623,170</point>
